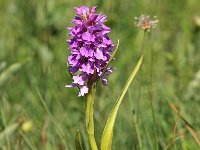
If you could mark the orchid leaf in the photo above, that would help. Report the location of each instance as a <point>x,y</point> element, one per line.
<point>106,140</point>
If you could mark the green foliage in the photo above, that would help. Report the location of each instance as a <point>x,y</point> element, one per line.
<point>90,116</point>
<point>78,141</point>
<point>8,73</point>
<point>33,35</point>
<point>8,132</point>
<point>106,140</point>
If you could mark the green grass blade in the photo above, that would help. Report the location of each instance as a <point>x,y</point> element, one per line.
<point>5,126</point>
<point>60,133</point>
<point>8,132</point>
<point>78,141</point>
<point>106,140</point>
<point>2,65</point>
<point>9,72</point>
<point>27,141</point>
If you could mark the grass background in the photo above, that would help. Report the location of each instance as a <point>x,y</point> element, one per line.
<point>33,75</point>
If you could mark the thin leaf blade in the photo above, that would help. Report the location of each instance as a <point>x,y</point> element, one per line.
<point>9,72</point>
<point>8,132</point>
<point>78,141</point>
<point>106,140</point>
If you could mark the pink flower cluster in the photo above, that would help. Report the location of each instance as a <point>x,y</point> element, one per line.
<point>90,49</point>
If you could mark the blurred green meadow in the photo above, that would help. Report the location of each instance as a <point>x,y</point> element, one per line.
<point>38,112</point>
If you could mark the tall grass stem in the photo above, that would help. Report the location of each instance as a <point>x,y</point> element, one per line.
<point>150,92</point>
<point>53,120</point>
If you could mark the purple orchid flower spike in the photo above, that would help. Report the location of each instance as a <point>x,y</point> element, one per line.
<point>90,48</point>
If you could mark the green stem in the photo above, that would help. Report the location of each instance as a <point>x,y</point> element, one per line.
<point>136,122</point>
<point>150,92</point>
<point>89,116</point>
<point>137,115</point>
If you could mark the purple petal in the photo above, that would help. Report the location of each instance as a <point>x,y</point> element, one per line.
<point>75,44</point>
<point>86,52</point>
<point>78,79</point>
<point>88,68</point>
<point>74,69</point>
<point>76,29</point>
<point>71,85</point>
<point>75,51</point>
<point>91,59</point>
<point>88,37</point>
<point>69,28</point>
<point>107,41</point>
<point>98,67</point>
<point>99,54</point>
<point>105,27</point>
<point>77,21</point>
<point>109,70</point>
<point>84,10</point>
<point>93,9</point>
<point>101,18</point>
<point>73,59</point>
<point>104,80</point>
<point>77,10</point>
<point>92,18</point>
<point>83,91</point>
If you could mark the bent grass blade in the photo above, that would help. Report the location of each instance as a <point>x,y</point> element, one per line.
<point>8,132</point>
